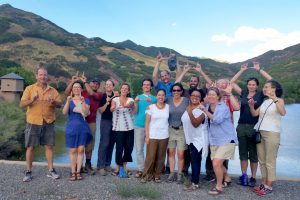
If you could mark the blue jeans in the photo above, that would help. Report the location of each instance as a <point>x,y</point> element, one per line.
<point>196,157</point>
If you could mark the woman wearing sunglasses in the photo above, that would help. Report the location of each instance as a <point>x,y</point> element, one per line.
<point>177,106</point>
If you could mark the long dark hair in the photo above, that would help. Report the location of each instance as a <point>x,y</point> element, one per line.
<point>277,86</point>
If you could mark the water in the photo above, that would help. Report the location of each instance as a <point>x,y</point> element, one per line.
<point>288,161</point>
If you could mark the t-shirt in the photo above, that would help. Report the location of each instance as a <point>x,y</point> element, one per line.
<point>177,112</point>
<point>196,135</point>
<point>142,105</point>
<point>159,126</point>
<point>245,114</point>
<point>107,114</point>
<point>167,87</point>
<point>94,100</point>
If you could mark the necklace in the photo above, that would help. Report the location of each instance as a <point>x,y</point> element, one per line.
<point>160,106</point>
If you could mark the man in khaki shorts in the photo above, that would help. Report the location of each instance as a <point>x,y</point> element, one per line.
<point>41,101</point>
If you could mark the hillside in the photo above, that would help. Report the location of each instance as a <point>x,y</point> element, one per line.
<point>28,40</point>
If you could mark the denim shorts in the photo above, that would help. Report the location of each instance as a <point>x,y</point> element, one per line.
<point>36,135</point>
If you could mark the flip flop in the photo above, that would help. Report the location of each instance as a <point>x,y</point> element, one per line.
<point>115,173</point>
<point>214,191</point>
<point>226,184</point>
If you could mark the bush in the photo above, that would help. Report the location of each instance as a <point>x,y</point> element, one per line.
<point>12,124</point>
<point>9,37</point>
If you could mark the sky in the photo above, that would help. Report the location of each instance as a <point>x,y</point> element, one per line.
<point>225,30</point>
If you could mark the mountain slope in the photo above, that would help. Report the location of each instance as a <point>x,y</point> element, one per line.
<point>28,40</point>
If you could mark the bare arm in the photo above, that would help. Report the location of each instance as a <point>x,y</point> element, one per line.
<point>179,78</point>
<point>198,68</point>
<point>147,123</point>
<point>195,121</point>
<point>67,104</point>
<point>267,76</point>
<point>159,59</point>
<point>69,87</point>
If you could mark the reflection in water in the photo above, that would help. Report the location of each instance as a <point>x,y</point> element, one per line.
<point>288,161</point>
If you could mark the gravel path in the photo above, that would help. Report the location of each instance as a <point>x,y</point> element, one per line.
<point>107,187</point>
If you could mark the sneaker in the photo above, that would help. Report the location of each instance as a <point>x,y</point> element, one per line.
<point>52,174</point>
<point>244,180</point>
<point>179,178</point>
<point>258,188</point>
<point>210,178</point>
<point>89,169</point>
<point>264,191</point>
<point>171,177</point>
<point>252,182</point>
<point>102,172</point>
<point>28,176</point>
<point>191,187</point>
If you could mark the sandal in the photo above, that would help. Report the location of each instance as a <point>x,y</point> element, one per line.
<point>226,184</point>
<point>79,176</point>
<point>214,191</point>
<point>115,173</point>
<point>73,176</point>
<point>157,180</point>
<point>138,174</point>
<point>128,172</point>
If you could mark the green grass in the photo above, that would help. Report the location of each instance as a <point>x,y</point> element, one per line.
<point>126,189</point>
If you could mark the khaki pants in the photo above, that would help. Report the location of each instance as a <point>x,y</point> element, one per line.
<point>267,153</point>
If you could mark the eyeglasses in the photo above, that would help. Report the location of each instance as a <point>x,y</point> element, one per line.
<point>196,96</point>
<point>176,90</point>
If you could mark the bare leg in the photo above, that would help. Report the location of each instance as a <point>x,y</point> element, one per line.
<point>180,155</point>
<point>80,151</point>
<point>253,166</point>
<point>218,169</point>
<point>172,159</point>
<point>73,155</point>
<point>244,166</point>
<point>29,157</point>
<point>49,156</point>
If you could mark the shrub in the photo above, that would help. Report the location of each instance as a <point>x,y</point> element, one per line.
<point>12,124</point>
<point>9,37</point>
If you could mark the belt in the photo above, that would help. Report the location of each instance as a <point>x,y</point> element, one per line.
<point>175,127</point>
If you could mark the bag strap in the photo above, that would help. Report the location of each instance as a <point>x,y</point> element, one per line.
<point>264,115</point>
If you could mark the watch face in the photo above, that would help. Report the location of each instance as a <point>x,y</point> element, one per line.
<point>172,62</point>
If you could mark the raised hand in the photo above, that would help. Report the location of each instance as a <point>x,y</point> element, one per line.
<point>244,67</point>
<point>228,89</point>
<point>256,66</point>
<point>251,102</point>
<point>186,67</point>
<point>159,57</point>
<point>198,67</point>
<point>137,99</point>
<point>83,78</point>
<point>74,78</point>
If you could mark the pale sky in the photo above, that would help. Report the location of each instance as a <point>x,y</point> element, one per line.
<point>226,30</point>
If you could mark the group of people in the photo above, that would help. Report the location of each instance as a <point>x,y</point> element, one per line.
<point>191,123</point>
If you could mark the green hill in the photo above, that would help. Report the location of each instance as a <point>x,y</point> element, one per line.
<point>28,40</point>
